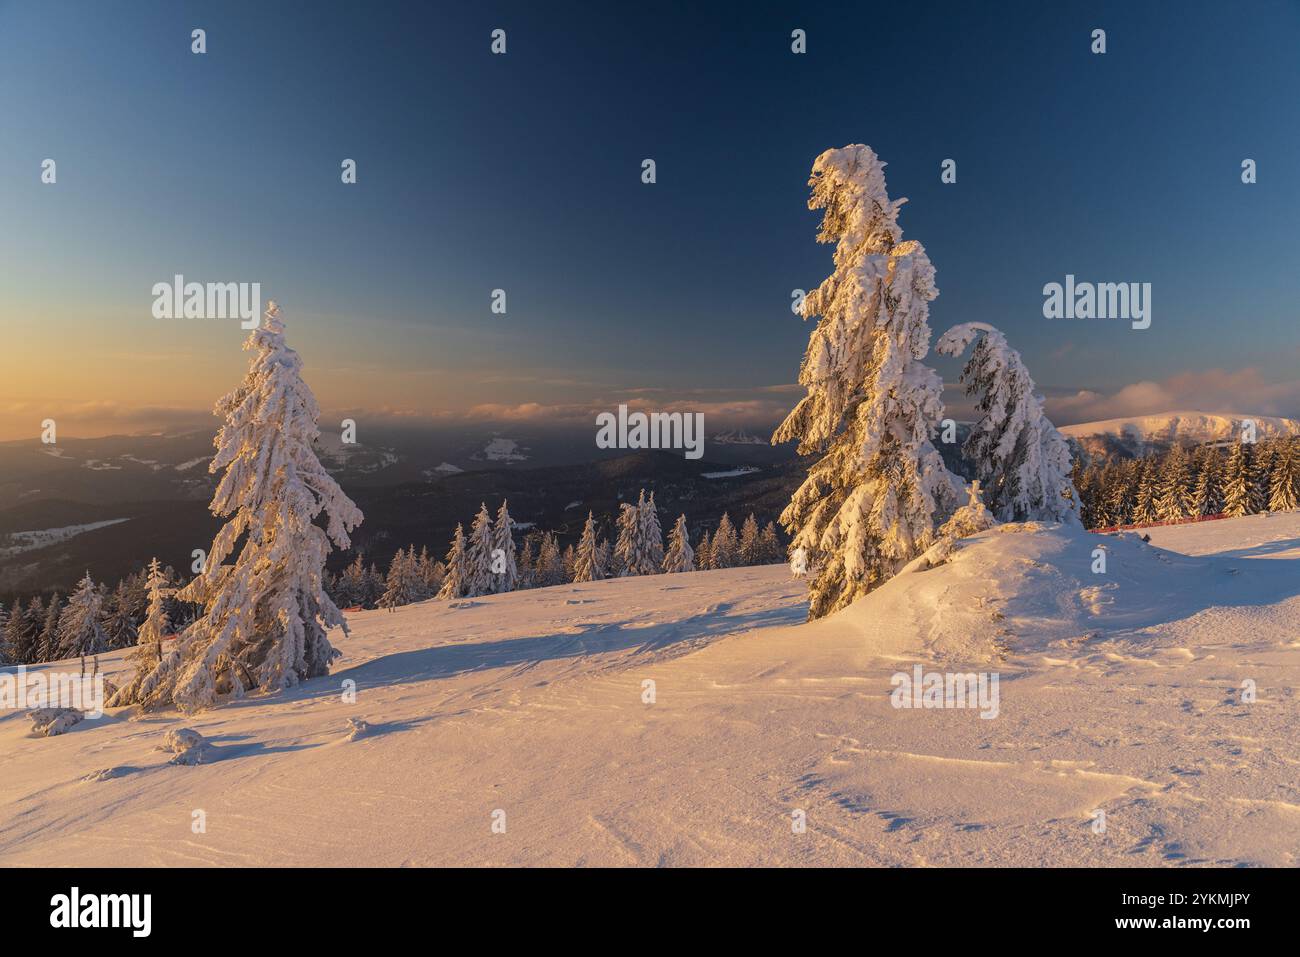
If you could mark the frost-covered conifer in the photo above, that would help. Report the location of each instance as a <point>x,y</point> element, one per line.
<point>587,566</point>
<point>652,536</point>
<point>749,545</point>
<point>550,563</point>
<point>873,500</point>
<point>640,548</point>
<point>397,583</point>
<point>404,584</point>
<point>627,550</point>
<point>680,557</point>
<point>479,557</point>
<point>1261,468</point>
<point>22,637</point>
<point>770,545</point>
<point>1118,493</point>
<point>351,585</point>
<point>704,552</point>
<point>19,639</point>
<point>1174,499</point>
<point>374,583</point>
<point>23,632</point>
<point>503,541</point>
<point>80,632</point>
<point>46,622</point>
<point>1148,488</point>
<point>266,617</point>
<point>148,650</point>
<point>1022,462</point>
<point>454,583</point>
<point>527,562</point>
<point>1283,481</point>
<point>430,572</point>
<point>119,618</point>
<point>1236,484</point>
<point>724,550</point>
<point>1207,493</point>
<point>971,519</point>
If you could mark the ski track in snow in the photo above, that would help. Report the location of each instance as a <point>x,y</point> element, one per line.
<point>1119,692</point>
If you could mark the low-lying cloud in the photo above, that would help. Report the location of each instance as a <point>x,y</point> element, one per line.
<point>1210,390</point>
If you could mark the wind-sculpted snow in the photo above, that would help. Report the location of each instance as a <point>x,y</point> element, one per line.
<point>695,719</point>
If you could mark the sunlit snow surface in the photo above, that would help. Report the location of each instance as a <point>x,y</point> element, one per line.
<point>1119,692</point>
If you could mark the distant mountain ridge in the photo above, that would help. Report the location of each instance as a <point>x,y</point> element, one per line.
<point>1138,435</point>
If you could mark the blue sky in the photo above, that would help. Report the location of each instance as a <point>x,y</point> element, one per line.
<point>522,172</point>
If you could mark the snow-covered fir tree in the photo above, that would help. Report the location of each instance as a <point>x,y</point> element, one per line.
<point>680,557</point>
<point>1120,482</point>
<point>873,500</point>
<point>119,618</point>
<point>430,572</point>
<point>1284,478</point>
<point>749,545</point>
<point>550,563</point>
<point>1207,493</point>
<point>1145,511</point>
<point>351,586</point>
<point>628,549</point>
<point>724,550</point>
<point>704,552</point>
<point>971,519</point>
<point>6,656</point>
<point>404,584</point>
<point>266,617</point>
<point>23,631</point>
<point>454,583</point>
<point>1261,468</point>
<point>770,545</point>
<point>51,640</point>
<point>651,534</point>
<point>15,636</point>
<point>1174,499</point>
<point>44,624</point>
<point>527,563</point>
<point>479,555</point>
<point>149,643</point>
<point>1237,499</point>
<point>1022,461</point>
<point>587,566</point>
<point>156,625</point>
<point>80,633</point>
<point>503,541</point>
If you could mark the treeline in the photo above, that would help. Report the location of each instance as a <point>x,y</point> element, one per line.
<point>1183,483</point>
<point>94,619</point>
<point>486,561</point>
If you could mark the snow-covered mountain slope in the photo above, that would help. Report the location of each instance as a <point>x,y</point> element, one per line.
<point>1119,692</point>
<point>1138,435</point>
<point>738,437</point>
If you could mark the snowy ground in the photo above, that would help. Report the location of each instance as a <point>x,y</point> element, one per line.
<point>1119,692</point>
